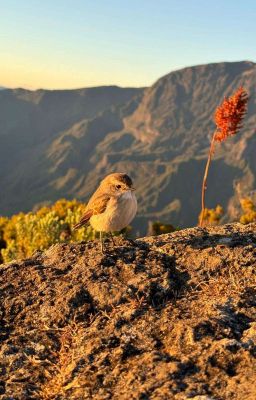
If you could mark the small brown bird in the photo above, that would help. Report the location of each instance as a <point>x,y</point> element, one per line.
<point>112,207</point>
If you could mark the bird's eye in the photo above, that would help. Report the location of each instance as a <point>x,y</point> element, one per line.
<point>118,187</point>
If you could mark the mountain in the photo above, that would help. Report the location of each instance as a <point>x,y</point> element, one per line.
<point>31,123</point>
<point>61,143</point>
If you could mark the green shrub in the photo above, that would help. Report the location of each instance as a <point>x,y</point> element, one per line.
<point>22,234</point>
<point>249,211</point>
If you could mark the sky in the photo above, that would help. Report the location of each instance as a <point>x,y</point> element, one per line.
<point>57,44</point>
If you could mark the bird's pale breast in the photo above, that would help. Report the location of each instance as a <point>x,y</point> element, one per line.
<point>118,214</point>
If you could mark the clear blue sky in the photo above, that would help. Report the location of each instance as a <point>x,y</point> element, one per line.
<point>66,44</point>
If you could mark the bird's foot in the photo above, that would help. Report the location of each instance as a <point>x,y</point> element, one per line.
<point>112,238</point>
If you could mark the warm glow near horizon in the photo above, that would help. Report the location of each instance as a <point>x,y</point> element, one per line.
<point>64,44</point>
<point>36,76</point>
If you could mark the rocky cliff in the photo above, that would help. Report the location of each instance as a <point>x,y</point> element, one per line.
<point>167,317</point>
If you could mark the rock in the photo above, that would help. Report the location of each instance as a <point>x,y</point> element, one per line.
<point>167,317</point>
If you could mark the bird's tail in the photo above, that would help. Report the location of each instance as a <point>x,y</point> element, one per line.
<point>78,225</point>
<point>84,220</point>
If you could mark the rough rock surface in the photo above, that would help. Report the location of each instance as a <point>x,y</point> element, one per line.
<point>167,317</point>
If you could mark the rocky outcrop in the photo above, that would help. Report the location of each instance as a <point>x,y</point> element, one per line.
<point>167,317</point>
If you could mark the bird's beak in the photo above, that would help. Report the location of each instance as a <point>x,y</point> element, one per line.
<point>132,189</point>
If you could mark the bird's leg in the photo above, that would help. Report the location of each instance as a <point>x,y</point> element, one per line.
<point>112,238</point>
<point>102,243</point>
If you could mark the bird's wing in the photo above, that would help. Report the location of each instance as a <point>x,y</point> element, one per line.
<point>97,205</point>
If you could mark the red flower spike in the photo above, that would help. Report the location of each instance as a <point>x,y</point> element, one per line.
<point>229,115</point>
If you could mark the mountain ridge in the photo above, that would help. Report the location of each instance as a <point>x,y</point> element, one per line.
<point>162,131</point>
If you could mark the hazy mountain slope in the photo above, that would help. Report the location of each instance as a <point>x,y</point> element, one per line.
<point>29,124</point>
<point>164,144</point>
<point>174,121</point>
<point>159,135</point>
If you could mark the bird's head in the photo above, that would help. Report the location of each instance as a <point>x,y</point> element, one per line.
<point>117,183</point>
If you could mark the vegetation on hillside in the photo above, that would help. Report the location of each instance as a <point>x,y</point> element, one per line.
<point>22,234</point>
<point>212,216</point>
<point>158,228</point>
<point>248,211</point>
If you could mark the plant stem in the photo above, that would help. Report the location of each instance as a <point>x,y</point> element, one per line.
<point>204,185</point>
